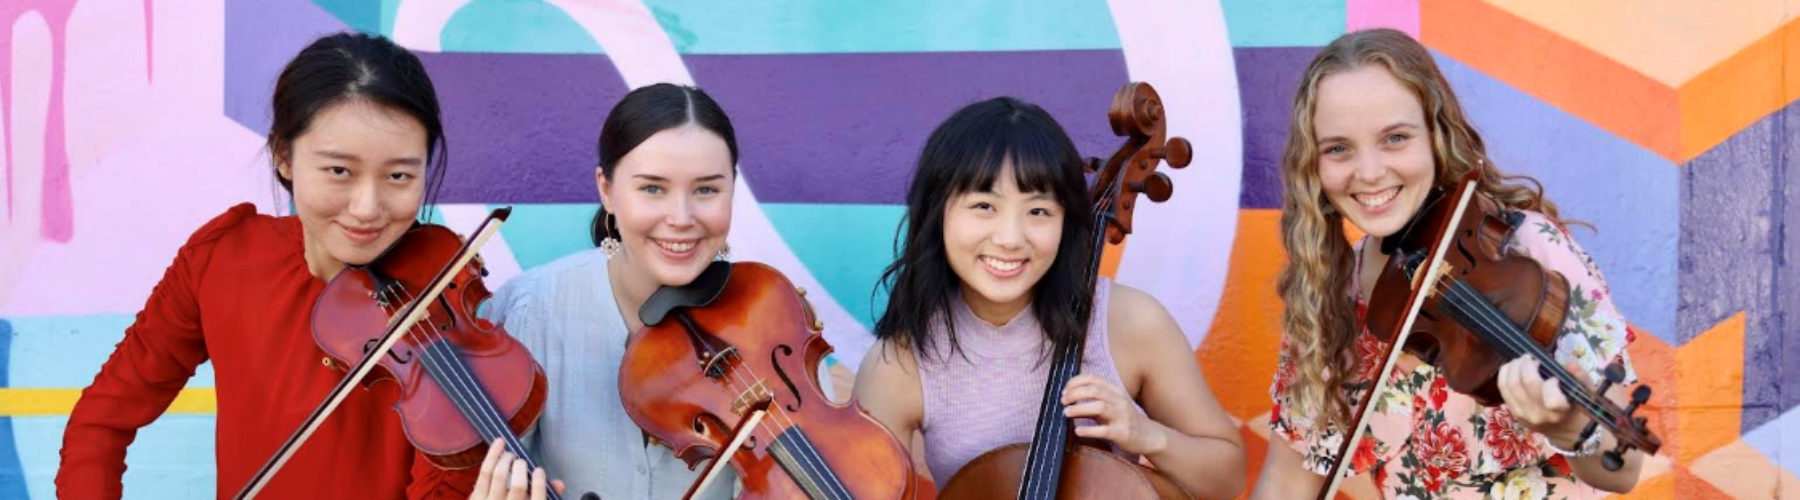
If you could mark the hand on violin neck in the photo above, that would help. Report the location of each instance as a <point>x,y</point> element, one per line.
<point>503,476</point>
<point>1540,403</point>
<point>1116,416</point>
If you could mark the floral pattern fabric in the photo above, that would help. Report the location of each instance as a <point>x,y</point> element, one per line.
<point>1424,441</point>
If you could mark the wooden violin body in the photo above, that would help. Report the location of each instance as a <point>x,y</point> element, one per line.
<point>360,302</point>
<point>691,377</point>
<point>1054,464</point>
<point>1520,288</point>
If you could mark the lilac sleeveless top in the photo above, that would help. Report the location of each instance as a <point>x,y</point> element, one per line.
<point>990,399</point>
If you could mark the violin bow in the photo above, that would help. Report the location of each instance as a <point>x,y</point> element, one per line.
<point>1422,285</point>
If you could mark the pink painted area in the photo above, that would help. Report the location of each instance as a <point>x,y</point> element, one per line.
<point>1402,15</point>
<point>419,24</point>
<point>57,224</point>
<point>152,160</point>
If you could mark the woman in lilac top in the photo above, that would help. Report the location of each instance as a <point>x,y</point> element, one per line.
<point>995,243</point>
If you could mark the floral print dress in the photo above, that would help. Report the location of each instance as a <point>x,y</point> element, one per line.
<point>1427,442</point>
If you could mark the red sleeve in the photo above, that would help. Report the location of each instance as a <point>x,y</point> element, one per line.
<point>145,373</point>
<point>431,483</point>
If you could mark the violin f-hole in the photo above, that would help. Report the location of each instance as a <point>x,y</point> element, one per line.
<point>774,359</point>
<point>392,353</point>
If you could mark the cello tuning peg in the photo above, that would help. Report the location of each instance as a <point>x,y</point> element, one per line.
<point>1157,187</point>
<point>1177,152</point>
<point>1613,460</point>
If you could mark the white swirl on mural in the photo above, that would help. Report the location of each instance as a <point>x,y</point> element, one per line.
<point>1182,247</point>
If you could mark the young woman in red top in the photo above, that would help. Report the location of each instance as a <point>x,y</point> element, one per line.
<point>356,140</point>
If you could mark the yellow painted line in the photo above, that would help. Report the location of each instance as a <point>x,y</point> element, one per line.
<point>22,402</point>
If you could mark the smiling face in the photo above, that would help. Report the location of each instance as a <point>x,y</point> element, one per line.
<point>671,197</point>
<point>358,182</point>
<point>1376,163</point>
<point>1001,242</point>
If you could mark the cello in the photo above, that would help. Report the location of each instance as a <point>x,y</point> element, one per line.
<point>1451,296</point>
<point>409,317</point>
<point>1054,464</point>
<point>726,368</point>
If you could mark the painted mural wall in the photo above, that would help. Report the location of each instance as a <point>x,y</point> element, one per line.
<point>1667,124</point>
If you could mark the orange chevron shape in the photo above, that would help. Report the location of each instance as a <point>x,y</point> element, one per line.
<point>1678,483</point>
<point>1239,353</point>
<point>1560,71</point>
<point>1677,116</point>
<point>1710,390</point>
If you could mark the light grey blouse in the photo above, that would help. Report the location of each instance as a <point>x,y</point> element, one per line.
<point>564,312</point>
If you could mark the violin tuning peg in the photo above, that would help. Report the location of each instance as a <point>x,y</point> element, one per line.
<point>590,496</point>
<point>1615,372</point>
<point>1177,152</point>
<point>1640,422</point>
<point>1640,396</point>
<point>1612,460</point>
<point>1092,165</point>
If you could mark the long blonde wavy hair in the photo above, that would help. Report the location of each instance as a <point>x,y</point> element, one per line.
<point>1319,318</point>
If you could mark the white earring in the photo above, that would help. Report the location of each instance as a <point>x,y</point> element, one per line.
<point>609,246</point>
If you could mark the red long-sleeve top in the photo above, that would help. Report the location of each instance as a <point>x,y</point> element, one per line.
<point>239,294</point>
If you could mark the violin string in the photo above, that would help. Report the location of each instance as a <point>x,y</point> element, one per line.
<point>1505,334</point>
<point>460,384</point>
<point>1504,331</point>
<point>812,462</point>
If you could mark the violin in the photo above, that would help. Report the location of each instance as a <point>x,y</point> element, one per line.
<point>1452,297</point>
<point>726,368</point>
<point>1054,464</point>
<point>409,317</point>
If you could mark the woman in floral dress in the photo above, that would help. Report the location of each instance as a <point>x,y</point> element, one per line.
<point>1375,128</point>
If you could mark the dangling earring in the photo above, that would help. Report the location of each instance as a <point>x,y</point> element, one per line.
<point>724,254</point>
<point>609,246</point>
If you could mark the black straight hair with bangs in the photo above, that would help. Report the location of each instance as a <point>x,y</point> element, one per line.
<point>965,154</point>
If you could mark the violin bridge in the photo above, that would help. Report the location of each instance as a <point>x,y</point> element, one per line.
<point>748,399</point>
<point>1443,269</point>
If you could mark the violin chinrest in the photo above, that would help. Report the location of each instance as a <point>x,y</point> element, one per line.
<point>701,292</point>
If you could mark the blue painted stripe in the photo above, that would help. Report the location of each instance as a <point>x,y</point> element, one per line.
<point>845,247</point>
<point>67,351</point>
<point>527,26</point>
<point>539,233</point>
<point>170,458</point>
<point>834,26</point>
<point>1283,23</point>
<point>12,475</point>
